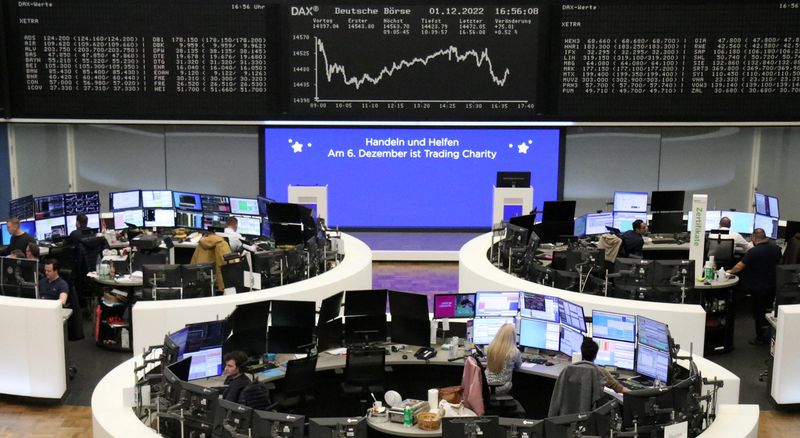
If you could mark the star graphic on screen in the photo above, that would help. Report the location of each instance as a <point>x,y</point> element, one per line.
<point>523,147</point>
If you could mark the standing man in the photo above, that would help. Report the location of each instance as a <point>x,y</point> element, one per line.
<point>632,240</point>
<point>19,238</point>
<point>53,287</point>
<point>740,243</point>
<point>759,264</point>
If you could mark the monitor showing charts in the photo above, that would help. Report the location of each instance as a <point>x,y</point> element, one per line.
<point>618,354</point>
<point>48,206</point>
<point>571,341</point>
<point>497,304</point>
<point>761,203</point>
<point>596,223</point>
<point>618,326</point>
<point>50,228</point>
<point>623,221</point>
<point>125,200</point>
<point>93,221</point>
<point>244,206</point>
<point>133,217</point>
<point>159,217</point>
<point>535,333</point>
<point>768,223</point>
<point>215,204</point>
<point>205,363</point>
<point>537,306</point>
<point>81,202</point>
<point>630,201</point>
<point>653,363</point>
<point>453,306</point>
<point>187,201</point>
<point>741,222</point>
<point>157,198</point>
<point>653,333</point>
<point>249,225</point>
<point>484,329</point>
<point>772,206</point>
<point>712,220</point>
<point>21,208</point>
<point>572,315</point>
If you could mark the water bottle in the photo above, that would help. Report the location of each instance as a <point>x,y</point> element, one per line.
<point>408,417</point>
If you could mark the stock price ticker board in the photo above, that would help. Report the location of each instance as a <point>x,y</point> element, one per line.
<point>151,59</point>
<point>414,61</point>
<point>679,61</point>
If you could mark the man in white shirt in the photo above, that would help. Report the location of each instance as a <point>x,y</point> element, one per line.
<point>741,245</point>
<point>234,238</point>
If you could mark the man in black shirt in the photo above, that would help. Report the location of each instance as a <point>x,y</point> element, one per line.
<point>19,238</point>
<point>53,287</point>
<point>81,229</point>
<point>632,240</point>
<point>236,380</point>
<point>760,264</point>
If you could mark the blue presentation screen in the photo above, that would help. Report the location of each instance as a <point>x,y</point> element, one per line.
<point>409,177</point>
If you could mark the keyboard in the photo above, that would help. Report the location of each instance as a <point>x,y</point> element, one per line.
<point>664,241</point>
<point>536,360</point>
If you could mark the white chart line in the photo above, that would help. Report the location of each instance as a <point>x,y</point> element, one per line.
<point>416,101</point>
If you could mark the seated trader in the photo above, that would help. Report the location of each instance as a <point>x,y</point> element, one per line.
<point>503,358</point>
<point>19,238</point>
<point>235,240</point>
<point>741,245</point>
<point>235,381</point>
<point>53,287</point>
<point>81,230</point>
<point>759,265</point>
<point>589,349</point>
<point>32,251</point>
<point>632,240</point>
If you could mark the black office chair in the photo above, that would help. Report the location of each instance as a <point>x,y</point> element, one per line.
<point>87,252</point>
<point>364,373</point>
<point>296,385</point>
<point>722,250</point>
<point>494,404</point>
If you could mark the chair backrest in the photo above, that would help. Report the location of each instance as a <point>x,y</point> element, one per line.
<point>300,374</point>
<point>365,366</point>
<point>721,249</point>
<point>577,389</point>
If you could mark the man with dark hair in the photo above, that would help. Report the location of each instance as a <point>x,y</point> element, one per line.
<point>53,287</point>
<point>235,381</point>
<point>632,240</point>
<point>760,264</point>
<point>32,251</point>
<point>589,349</point>
<point>80,231</point>
<point>19,238</point>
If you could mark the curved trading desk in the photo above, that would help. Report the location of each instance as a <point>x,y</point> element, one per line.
<point>153,319</point>
<point>110,418</point>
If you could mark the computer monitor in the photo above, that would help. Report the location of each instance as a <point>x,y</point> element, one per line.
<point>513,179</point>
<point>289,339</point>
<point>787,290</point>
<point>712,220</point>
<point>205,335</point>
<point>674,273</point>
<point>189,219</point>
<point>248,206</point>
<point>81,202</point>
<point>337,427</point>
<point>21,208</point>
<point>558,211</point>
<point>496,304</point>
<point>199,404</point>
<point>409,305</point>
<point>471,427</point>
<point>623,220</point>
<point>640,405</point>
<point>537,306</point>
<point>175,373</point>
<point>666,223</point>
<point>630,201</point>
<point>667,200</point>
<point>653,333</point>
<point>569,426</point>
<point>570,341</point>
<point>157,199</point>
<point>536,333</point>
<point>161,276</point>
<point>187,201</point>
<point>249,316</point>
<point>293,313</point>
<point>215,203</point>
<point>410,331</point>
<point>123,218</point>
<point>517,427</point>
<point>769,224</point>
<point>596,223</point>
<point>93,221</point>
<point>762,206</point>
<point>638,272</point>
<point>792,228</point>
<point>772,206</point>
<point>266,423</point>
<point>177,341</point>
<point>572,315</point>
<point>741,222</point>
<point>158,217</point>
<point>249,225</point>
<point>365,302</point>
<point>48,206</point>
<point>233,417</point>
<point>364,328</point>
<point>579,229</point>
<point>197,280</point>
<point>215,221</point>
<point>484,329</point>
<point>618,354</point>
<point>453,306</point>
<point>617,326</point>
<point>205,363</point>
<point>26,226</point>
<point>330,308</point>
<point>50,228</point>
<point>262,205</point>
<point>653,363</point>
<point>125,200</point>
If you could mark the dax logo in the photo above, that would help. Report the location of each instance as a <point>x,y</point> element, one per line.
<point>303,10</point>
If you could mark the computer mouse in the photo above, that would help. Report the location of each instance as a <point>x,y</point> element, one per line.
<point>405,356</point>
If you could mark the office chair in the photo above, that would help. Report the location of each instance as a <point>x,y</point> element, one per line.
<point>364,373</point>
<point>87,252</point>
<point>494,404</point>
<point>233,273</point>
<point>579,388</point>
<point>296,385</point>
<point>722,250</point>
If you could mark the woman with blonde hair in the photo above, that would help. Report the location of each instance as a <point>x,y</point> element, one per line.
<point>503,358</point>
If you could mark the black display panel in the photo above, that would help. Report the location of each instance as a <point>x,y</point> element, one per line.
<point>153,59</point>
<point>404,61</point>
<point>678,60</point>
<point>81,202</point>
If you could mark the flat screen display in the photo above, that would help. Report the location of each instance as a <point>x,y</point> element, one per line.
<point>447,174</point>
<point>484,329</point>
<point>741,222</point>
<point>535,333</point>
<point>769,224</point>
<point>81,202</point>
<point>772,206</point>
<point>572,315</point>
<point>134,217</point>
<point>249,225</point>
<point>125,200</point>
<point>215,203</point>
<point>21,208</point>
<point>653,333</point>
<point>93,221</point>
<point>187,201</point>
<point>571,341</point>
<point>537,306</point>
<point>47,229</point>
<point>159,217</point>
<point>618,326</point>
<point>579,229</point>
<point>26,226</point>
<point>48,206</point>
<point>157,198</point>
<point>761,204</point>
<point>205,363</point>
<point>618,354</point>
<point>623,221</point>
<point>188,219</point>
<point>454,306</point>
<point>630,201</point>
<point>653,363</point>
<point>244,206</point>
<point>596,223</point>
<point>496,304</point>
<point>712,220</point>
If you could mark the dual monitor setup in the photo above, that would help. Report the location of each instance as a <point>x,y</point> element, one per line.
<point>52,216</point>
